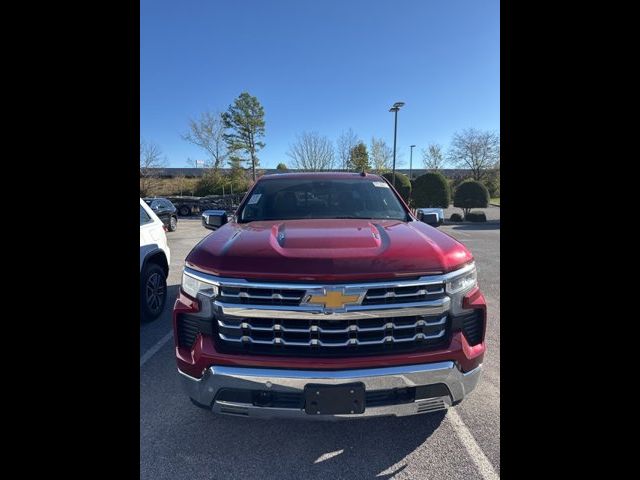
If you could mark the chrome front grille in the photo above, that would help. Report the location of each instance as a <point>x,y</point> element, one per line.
<point>260,296</point>
<point>328,319</point>
<point>332,333</point>
<point>414,293</point>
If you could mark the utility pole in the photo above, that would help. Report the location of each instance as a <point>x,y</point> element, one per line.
<point>411,161</point>
<point>396,106</point>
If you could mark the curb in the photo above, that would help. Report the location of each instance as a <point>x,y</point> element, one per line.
<point>488,222</point>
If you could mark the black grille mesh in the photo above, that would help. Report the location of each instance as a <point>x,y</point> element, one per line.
<point>472,327</point>
<point>189,326</point>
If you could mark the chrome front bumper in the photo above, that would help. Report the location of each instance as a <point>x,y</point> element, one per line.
<point>204,390</point>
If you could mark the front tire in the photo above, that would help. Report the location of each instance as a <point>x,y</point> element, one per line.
<point>153,292</point>
<point>173,224</point>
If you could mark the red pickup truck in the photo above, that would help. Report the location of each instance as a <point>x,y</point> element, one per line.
<point>324,297</point>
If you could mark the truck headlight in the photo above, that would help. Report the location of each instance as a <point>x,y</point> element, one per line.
<point>459,284</point>
<point>192,287</point>
<point>463,282</point>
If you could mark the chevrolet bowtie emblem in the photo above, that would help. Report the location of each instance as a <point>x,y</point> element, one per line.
<point>333,299</point>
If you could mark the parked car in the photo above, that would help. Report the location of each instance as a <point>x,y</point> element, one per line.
<point>186,205</point>
<point>325,297</point>
<point>155,258</point>
<point>432,216</point>
<point>165,210</point>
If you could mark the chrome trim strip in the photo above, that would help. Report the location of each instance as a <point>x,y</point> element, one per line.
<point>241,283</point>
<point>316,328</point>
<point>314,342</point>
<point>400,410</point>
<point>273,296</point>
<point>350,312</point>
<point>419,293</point>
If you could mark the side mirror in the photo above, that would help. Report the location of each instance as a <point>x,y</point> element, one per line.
<point>214,219</point>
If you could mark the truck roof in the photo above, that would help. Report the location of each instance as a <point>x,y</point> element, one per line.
<point>321,175</point>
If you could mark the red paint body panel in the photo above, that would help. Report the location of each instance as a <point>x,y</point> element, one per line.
<point>327,250</point>
<point>204,354</point>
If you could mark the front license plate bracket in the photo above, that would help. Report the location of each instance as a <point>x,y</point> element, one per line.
<point>334,399</point>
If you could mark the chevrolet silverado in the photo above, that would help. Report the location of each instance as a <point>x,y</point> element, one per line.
<point>325,297</point>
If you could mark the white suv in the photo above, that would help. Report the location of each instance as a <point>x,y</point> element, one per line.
<point>155,258</point>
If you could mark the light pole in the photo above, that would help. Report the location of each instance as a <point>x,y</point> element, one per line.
<point>396,106</point>
<point>411,161</point>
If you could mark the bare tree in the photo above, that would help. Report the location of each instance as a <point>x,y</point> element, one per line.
<point>151,160</point>
<point>476,150</point>
<point>346,142</point>
<point>381,155</point>
<point>207,133</point>
<point>311,151</point>
<point>433,157</point>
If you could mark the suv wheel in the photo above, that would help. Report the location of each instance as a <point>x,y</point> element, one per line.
<point>153,291</point>
<point>173,224</point>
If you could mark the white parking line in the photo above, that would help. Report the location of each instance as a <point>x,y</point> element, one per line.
<point>153,350</point>
<point>473,449</point>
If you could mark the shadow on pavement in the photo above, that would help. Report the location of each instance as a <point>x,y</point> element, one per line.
<point>479,226</point>
<point>300,449</point>
<point>172,293</point>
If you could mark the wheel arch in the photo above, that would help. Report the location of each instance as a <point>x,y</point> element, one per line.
<point>158,257</point>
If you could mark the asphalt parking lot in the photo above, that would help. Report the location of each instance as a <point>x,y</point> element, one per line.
<point>178,440</point>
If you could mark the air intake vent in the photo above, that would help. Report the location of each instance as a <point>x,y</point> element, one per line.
<point>431,405</point>
<point>472,327</point>
<point>190,326</point>
<point>234,410</point>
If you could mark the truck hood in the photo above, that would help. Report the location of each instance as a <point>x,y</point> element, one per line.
<point>327,250</point>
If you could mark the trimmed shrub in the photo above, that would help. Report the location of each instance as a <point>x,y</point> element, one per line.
<point>476,217</point>
<point>470,194</point>
<point>456,181</point>
<point>403,184</point>
<point>431,190</point>
<point>456,217</point>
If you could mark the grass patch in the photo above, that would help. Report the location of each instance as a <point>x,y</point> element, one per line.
<point>167,187</point>
<point>495,201</point>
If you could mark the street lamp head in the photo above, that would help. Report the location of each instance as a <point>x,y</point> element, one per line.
<point>398,104</point>
<point>394,109</point>
<point>412,146</point>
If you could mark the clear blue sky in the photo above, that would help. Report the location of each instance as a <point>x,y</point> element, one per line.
<point>322,65</point>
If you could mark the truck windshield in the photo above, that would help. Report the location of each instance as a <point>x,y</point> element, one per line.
<point>289,199</point>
